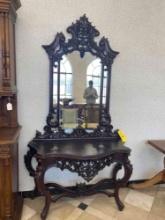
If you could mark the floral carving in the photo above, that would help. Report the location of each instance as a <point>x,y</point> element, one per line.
<point>87,169</point>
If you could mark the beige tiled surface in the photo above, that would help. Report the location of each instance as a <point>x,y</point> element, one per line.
<point>146,204</point>
<point>158,208</point>
<point>132,213</point>
<point>140,200</point>
<point>105,205</point>
<point>75,214</point>
<point>27,212</point>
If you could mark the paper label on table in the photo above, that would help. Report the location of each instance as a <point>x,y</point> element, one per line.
<point>122,136</point>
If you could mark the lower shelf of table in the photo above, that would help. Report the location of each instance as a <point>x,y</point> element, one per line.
<point>53,192</point>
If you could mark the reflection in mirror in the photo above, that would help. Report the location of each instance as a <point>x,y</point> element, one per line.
<point>69,117</point>
<point>94,79</point>
<point>65,80</point>
<point>80,83</point>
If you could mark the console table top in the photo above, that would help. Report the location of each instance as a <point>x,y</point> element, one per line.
<point>79,149</point>
<point>158,144</point>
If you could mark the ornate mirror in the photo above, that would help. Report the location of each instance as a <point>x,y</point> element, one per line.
<point>80,75</point>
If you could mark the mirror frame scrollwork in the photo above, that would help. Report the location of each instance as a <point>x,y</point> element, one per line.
<point>82,40</point>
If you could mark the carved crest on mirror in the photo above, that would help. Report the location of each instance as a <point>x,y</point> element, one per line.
<point>85,111</point>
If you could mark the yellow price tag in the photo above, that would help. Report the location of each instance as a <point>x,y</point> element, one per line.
<point>122,136</point>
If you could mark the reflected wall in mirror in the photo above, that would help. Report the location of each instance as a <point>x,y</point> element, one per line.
<point>80,75</point>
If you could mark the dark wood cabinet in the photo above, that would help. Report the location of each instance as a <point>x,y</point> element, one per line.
<point>7,62</point>
<point>10,200</point>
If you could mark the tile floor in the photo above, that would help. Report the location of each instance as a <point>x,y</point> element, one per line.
<point>148,204</point>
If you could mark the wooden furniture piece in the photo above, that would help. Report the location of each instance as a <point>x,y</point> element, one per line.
<point>83,150</point>
<point>86,157</point>
<point>10,200</point>
<point>160,177</point>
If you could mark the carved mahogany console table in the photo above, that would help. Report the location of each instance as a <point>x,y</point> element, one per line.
<point>86,158</point>
<point>85,149</point>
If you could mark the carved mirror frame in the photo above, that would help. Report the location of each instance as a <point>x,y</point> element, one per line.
<point>82,40</point>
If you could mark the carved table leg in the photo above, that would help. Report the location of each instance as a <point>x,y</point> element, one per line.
<point>116,168</point>
<point>117,199</point>
<point>152,181</point>
<point>119,203</point>
<point>39,179</point>
<point>28,163</point>
<point>46,207</point>
<point>121,182</point>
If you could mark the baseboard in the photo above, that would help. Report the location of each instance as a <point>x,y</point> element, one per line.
<point>141,181</point>
<point>136,181</point>
<point>34,193</point>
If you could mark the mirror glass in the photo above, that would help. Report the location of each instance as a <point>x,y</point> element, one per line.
<point>80,90</point>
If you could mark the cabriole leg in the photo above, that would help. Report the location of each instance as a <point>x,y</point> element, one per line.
<point>39,179</point>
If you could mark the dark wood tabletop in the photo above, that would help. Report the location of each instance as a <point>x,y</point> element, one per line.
<point>79,149</point>
<point>158,144</point>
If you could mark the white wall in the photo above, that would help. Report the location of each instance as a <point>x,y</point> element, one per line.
<point>137,30</point>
